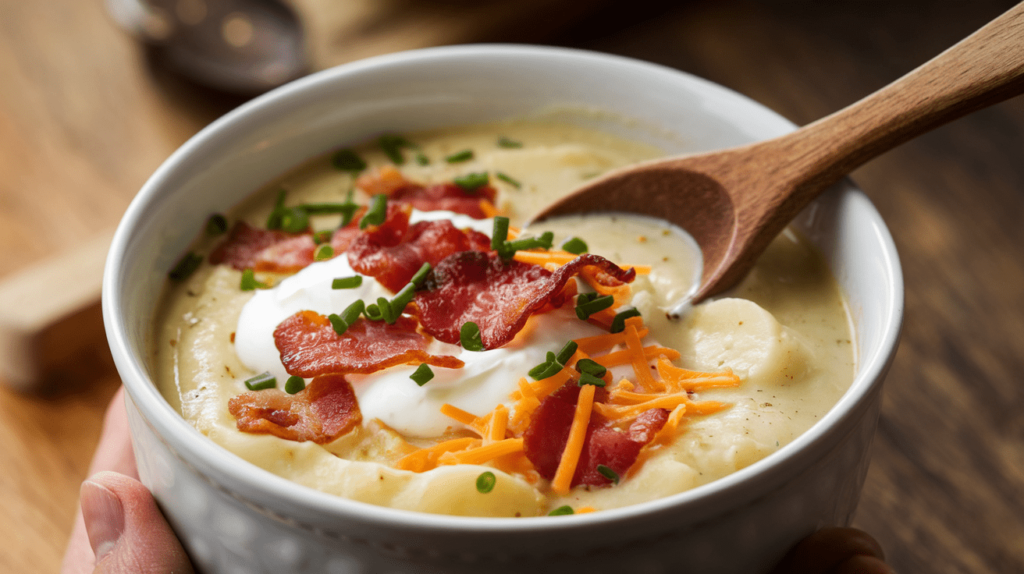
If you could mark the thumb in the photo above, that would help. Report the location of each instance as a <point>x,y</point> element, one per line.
<point>127,532</point>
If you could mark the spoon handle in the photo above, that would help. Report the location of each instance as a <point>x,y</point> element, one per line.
<point>983,69</point>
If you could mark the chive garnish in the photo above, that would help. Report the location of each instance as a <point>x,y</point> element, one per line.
<point>294,384</point>
<point>472,181</point>
<point>347,160</point>
<point>575,245</point>
<point>469,336</point>
<point>260,382</point>
<point>548,368</point>
<point>420,275</point>
<point>321,237</point>
<point>329,208</point>
<point>392,146</point>
<point>464,155</point>
<point>185,266</point>
<point>323,252</point>
<point>567,352</point>
<point>619,322</point>
<point>352,312</point>
<point>506,142</point>
<point>608,473</point>
<point>422,159</point>
<point>386,312</point>
<point>485,482</point>
<point>249,282</point>
<point>503,177</point>
<point>294,220</point>
<point>499,234</point>
<point>347,282</point>
<point>402,298</point>
<point>592,367</point>
<point>586,309</point>
<point>377,213</point>
<point>543,242</point>
<point>274,220</point>
<point>588,379</point>
<point>422,374</point>
<point>217,224</point>
<point>339,324</point>
<point>373,312</point>
<point>562,511</point>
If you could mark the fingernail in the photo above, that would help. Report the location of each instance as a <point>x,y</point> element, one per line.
<point>104,517</point>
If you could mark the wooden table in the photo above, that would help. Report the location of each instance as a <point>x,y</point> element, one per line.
<point>84,120</point>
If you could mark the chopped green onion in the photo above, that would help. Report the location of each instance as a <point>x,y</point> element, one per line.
<point>249,282</point>
<point>348,160</point>
<point>588,379</point>
<point>392,146</point>
<point>347,282</point>
<point>420,275</point>
<point>485,482</point>
<point>543,242</point>
<point>472,181</point>
<point>185,266</point>
<point>619,322</point>
<point>575,245</point>
<point>377,213</point>
<point>386,313</point>
<point>217,224</point>
<point>567,352</point>
<point>294,384</point>
<point>402,298</point>
<point>562,511</point>
<point>506,142</point>
<point>323,252</point>
<point>274,220</point>
<point>352,312</point>
<point>588,308</point>
<point>292,219</point>
<point>422,374</point>
<point>508,180</point>
<point>500,233</point>
<point>464,155</point>
<point>260,382</point>
<point>373,313</point>
<point>321,237</point>
<point>329,208</point>
<point>591,367</point>
<point>339,324</point>
<point>469,336</point>
<point>546,369</point>
<point>422,159</point>
<point>608,473</point>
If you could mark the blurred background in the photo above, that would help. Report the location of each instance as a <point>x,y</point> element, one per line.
<point>95,95</point>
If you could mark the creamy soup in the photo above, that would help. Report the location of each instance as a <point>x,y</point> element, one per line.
<point>732,381</point>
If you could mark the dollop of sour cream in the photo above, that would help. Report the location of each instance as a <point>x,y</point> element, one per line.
<point>486,380</point>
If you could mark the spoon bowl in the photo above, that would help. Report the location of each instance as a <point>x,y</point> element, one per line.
<point>734,202</point>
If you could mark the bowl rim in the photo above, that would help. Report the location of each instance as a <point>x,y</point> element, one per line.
<point>181,436</point>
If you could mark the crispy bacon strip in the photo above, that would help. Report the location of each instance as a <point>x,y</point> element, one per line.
<point>322,412</point>
<point>498,296</point>
<point>438,197</point>
<point>545,438</point>
<point>309,346</point>
<point>395,250</point>
<point>276,251</point>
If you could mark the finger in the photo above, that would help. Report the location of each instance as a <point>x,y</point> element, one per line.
<point>823,551</point>
<point>127,532</point>
<point>114,451</point>
<point>863,565</point>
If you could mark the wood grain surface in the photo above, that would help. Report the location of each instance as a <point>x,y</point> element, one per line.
<point>84,119</point>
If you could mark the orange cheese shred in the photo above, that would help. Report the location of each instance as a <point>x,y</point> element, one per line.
<point>639,361</point>
<point>427,458</point>
<point>574,445</point>
<point>679,379</point>
<point>489,209</point>
<point>484,453</point>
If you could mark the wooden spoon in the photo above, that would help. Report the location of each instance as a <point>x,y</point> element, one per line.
<point>735,201</point>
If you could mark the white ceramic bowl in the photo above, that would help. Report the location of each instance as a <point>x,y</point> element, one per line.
<point>234,517</point>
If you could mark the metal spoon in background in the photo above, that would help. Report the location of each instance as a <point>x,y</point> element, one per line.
<point>735,201</point>
<point>238,46</point>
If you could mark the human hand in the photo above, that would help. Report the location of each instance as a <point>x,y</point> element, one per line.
<point>119,528</point>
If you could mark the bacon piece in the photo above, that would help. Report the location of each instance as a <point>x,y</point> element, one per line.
<point>322,412</point>
<point>437,197</point>
<point>394,251</point>
<point>263,249</point>
<point>309,346</point>
<point>545,438</point>
<point>499,296</point>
